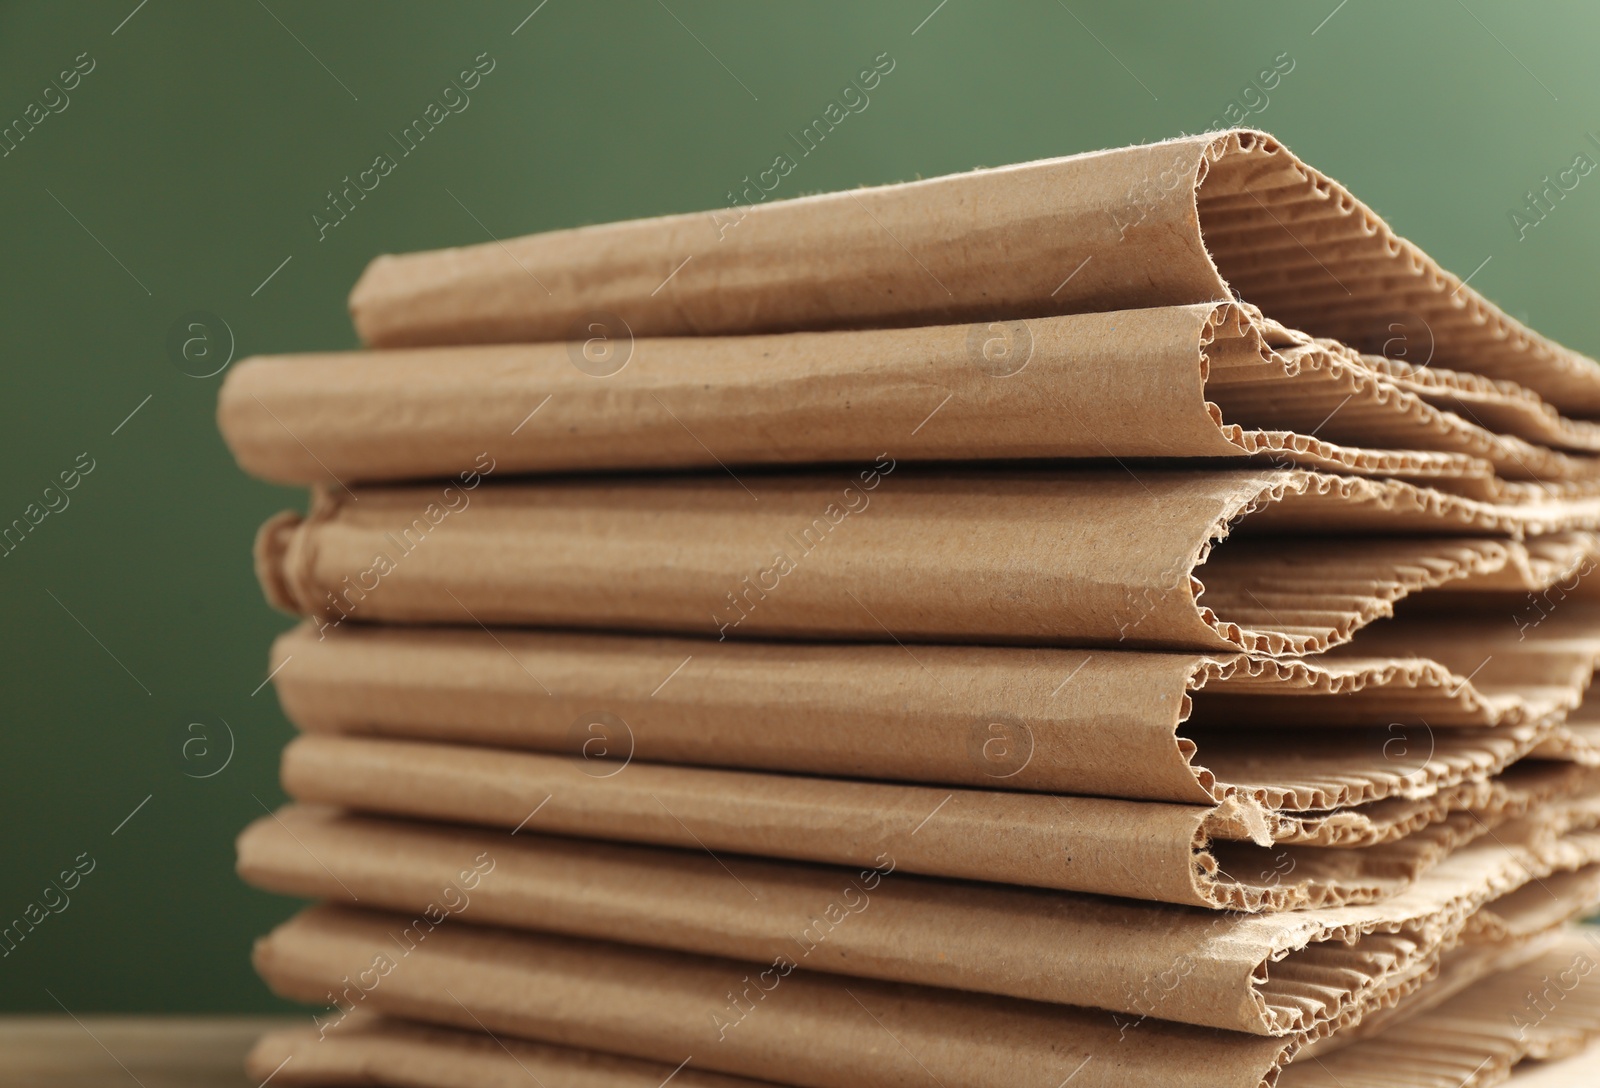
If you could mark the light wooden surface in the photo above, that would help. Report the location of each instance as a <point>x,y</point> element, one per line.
<point>129,1051</point>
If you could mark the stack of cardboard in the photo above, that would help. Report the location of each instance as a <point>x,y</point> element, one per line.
<point>1117,620</point>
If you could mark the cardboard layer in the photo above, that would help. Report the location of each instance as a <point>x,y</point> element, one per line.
<point>1464,1045</point>
<point>821,1031</point>
<point>373,1052</point>
<point>1143,850</point>
<point>697,1013</point>
<point>1208,381</point>
<point>1153,726</point>
<point>1500,406</point>
<point>1198,219</point>
<point>1084,844</point>
<point>1267,975</point>
<point>1515,792</point>
<point>1095,557</point>
<point>1459,968</point>
<point>1546,1009</point>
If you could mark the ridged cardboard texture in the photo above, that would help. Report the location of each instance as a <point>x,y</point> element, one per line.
<point>1199,219</point>
<point>1208,381</point>
<point>1465,1044</point>
<point>1267,975</point>
<point>1456,699</point>
<point>1092,557</point>
<point>1141,849</point>
<point>821,1032</point>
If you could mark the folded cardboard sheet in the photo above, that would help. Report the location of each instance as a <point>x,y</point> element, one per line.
<point>1161,558</point>
<point>823,1032</point>
<point>1263,974</point>
<point>1192,220</point>
<point>1458,969</point>
<point>1246,743</point>
<point>1515,792</point>
<point>1453,698</point>
<point>1463,1045</point>
<point>1539,1011</point>
<point>1500,406</point>
<point>365,1051</point>
<point>1144,850</point>
<point>1208,381</point>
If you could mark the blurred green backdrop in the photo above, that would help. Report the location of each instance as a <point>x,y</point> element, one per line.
<point>187,161</point>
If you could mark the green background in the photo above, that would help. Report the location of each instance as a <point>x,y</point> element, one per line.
<point>207,135</point>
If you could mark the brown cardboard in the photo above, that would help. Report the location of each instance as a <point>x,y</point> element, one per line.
<point>370,1051</point>
<point>1500,406</point>
<point>836,1033</point>
<point>821,1031</point>
<point>1144,850</point>
<point>1198,219</point>
<point>1458,969</point>
<point>1463,1045</point>
<point>1548,1008</point>
<point>1515,792</point>
<point>1576,739</point>
<point>1260,974</point>
<point>1087,844</point>
<point>1208,381</point>
<point>1164,727</point>
<point>1093,557</point>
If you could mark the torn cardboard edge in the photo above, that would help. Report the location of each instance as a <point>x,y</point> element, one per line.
<point>823,1032</point>
<point>1165,727</point>
<point>1209,381</point>
<point>1100,558</point>
<point>1198,219</point>
<point>1139,849</point>
<point>1284,974</point>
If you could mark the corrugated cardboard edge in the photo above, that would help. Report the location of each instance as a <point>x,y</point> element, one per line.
<point>1465,1039</point>
<point>950,1037</point>
<point>1140,850</point>
<point>1157,607</point>
<point>823,1031</point>
<point>1509,406</point>
<point>1319,970</point>
<point>1547,1008</point>
<point>1207,381</point>
<point>494,688</point>
<point>1154,217</point>
<point>1468,331</point>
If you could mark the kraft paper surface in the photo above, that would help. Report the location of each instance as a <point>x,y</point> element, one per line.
<point>1198,219</point>
<point>820,1030</point>
<point>1464,1045</point>
<point>1095,557</point>
<point>1209,381</point>
<point>1139,849</point>
<point>372,1052</point>
<point>1152,726</point>
<point>1280,974</point>
<point>823,1032</point>
<point>1547,1009</point>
